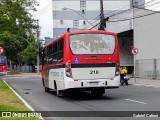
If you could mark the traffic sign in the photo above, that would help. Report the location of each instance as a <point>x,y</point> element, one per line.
<point>134,51</point>
<point>1,50</point>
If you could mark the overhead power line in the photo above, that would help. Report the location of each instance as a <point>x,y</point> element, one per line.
<point>130,18</point>
<point>43,10</point>
<point>135,17</point>
<point>149,2</point>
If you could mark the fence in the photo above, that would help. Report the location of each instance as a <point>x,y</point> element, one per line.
<point>148,68</point>
<point>24,68</point>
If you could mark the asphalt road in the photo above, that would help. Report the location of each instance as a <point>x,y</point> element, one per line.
<point>126,98</point>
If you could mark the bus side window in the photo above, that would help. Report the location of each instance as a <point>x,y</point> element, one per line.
<point>47,56</point>
<point>50,55</point>
<point>54,56</point>
<point>43,57</point>
<point>60,50</point>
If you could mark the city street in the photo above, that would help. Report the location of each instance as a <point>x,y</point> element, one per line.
<point>83,44</point>
<point>126,98</point>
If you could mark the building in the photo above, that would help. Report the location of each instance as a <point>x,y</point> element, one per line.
<point>147,40</point>
<point>47,40</point>
<point>82,14</point>
<point>138,28</point>
<point>152,5</point>
<point>122,24</point>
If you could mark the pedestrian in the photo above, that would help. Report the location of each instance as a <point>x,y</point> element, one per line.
<point>123,76</point>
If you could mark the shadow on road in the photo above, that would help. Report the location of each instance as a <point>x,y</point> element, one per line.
<point>80,96</point>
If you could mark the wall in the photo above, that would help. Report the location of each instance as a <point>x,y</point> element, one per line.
<point>118,24</point>
<point>63,19</point>
<point>146,35</point>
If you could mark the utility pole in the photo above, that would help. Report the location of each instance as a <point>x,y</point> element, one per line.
<point>102,19</point>
<point>37,31</point>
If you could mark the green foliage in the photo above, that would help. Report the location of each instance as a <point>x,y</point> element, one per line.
<point>17,30</point>
<point>29,54</point>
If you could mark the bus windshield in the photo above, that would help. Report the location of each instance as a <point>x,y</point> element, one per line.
<point>92,44</point>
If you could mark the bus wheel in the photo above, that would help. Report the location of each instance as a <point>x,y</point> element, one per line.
<point>98,92</point>
<point>46,89</point>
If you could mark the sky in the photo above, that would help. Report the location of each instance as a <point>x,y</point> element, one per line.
<point>44,14</point>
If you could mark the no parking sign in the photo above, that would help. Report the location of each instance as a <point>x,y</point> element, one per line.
<point>1,50</point>
<point>134,51</point>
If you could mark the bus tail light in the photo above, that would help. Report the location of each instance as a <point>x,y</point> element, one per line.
<point>68,69</point>
<point>117,68</point>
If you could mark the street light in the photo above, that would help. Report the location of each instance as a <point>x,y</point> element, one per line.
<point>78,14</point>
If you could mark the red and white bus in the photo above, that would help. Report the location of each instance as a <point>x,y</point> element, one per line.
<point>82,60</point>
<point>3,65</point>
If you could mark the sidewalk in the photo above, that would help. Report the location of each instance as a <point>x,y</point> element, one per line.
<point>146,82</point>
<point>26,75</point>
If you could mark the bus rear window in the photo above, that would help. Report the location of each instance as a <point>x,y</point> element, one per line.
<point>92,44</point>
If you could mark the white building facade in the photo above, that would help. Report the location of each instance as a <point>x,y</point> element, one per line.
<point>147,40</point>
<point>82,14</point>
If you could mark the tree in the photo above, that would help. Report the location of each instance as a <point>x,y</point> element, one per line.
<point>29,54</point>
<point>16,29</point>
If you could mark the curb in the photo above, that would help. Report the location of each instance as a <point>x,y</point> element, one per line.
<point>25,102</point>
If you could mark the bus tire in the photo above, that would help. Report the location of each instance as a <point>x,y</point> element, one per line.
<point>43,82</point>
<point>98,92</point>
<point>46,89</point>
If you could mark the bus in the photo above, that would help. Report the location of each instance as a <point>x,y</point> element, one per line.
<point>81,60</point>
<point>3,65</point>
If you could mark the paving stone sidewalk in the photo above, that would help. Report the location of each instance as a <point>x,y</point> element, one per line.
<point>142,81</point>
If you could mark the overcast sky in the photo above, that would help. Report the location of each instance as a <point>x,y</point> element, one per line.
<point>44,14</point>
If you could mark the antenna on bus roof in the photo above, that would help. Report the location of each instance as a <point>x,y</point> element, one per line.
<point>68,29</point>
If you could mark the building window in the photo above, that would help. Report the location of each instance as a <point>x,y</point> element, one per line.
<point>75,23</point>
<point>61,21</point>
<point>84,22</point>
<point>135,4</point>
<point>82,5</point>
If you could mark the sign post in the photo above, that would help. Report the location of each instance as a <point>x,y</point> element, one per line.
<point>134,52</point>
<point>1,50</point>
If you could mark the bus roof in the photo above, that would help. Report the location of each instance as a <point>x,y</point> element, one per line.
<point>79,32</point>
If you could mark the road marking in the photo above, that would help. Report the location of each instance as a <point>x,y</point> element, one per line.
<point>136,101</point>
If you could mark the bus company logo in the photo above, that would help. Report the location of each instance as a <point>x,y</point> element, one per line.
<point>6,114</point>
<point>76,60</point>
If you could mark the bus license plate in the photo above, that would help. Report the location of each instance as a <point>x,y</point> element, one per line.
<point>93,83</point>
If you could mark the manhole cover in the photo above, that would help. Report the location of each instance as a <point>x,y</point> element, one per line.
<point>27,93</point>
<point>27,89</point>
